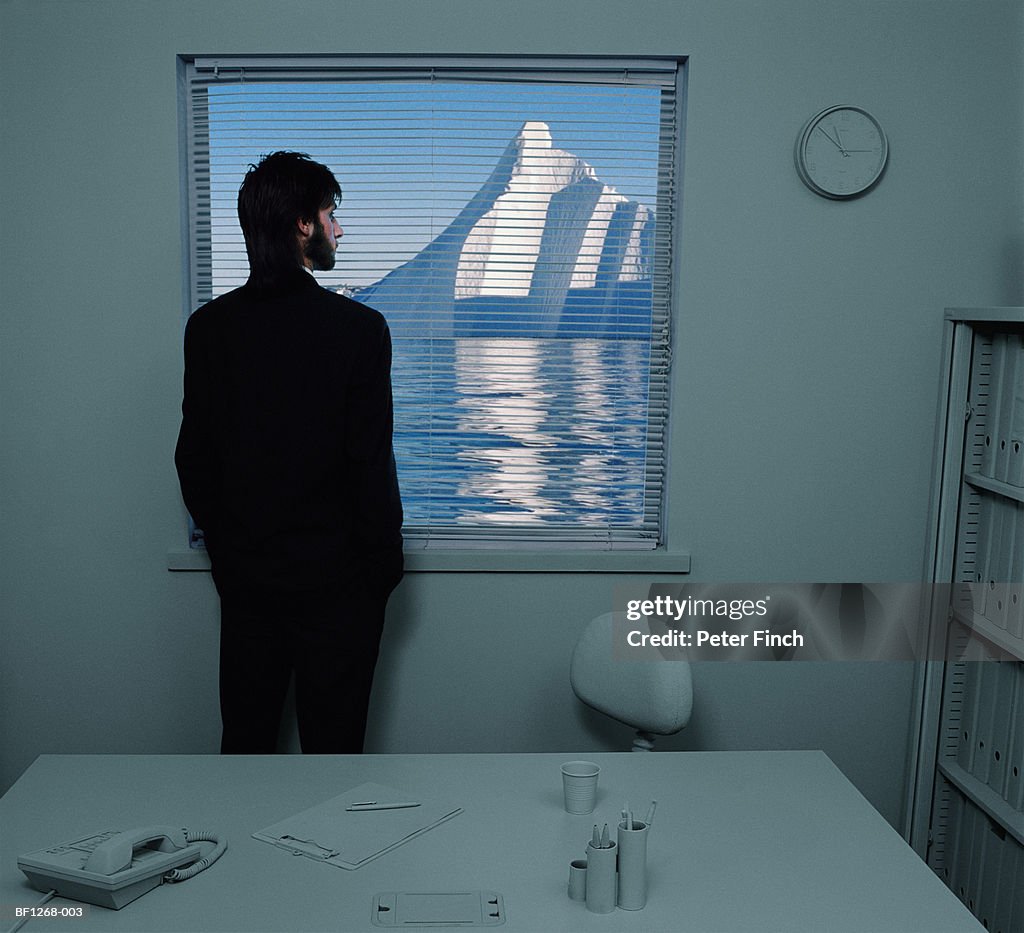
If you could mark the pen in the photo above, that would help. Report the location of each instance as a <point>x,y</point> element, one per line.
<point>374,805</point>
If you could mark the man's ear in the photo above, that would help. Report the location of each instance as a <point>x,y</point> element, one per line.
<point>304,226</point>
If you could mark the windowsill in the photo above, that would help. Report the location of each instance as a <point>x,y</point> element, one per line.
<point>483,560</point>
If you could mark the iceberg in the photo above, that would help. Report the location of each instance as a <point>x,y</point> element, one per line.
<point>543,249</point>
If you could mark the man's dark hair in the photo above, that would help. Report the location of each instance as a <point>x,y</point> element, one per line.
<point>283,188</point>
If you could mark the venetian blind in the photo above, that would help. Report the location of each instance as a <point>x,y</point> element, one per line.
<point>513,221</point>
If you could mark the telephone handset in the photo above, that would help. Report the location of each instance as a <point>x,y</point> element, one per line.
<point>113,868</point>
<point>115,853</point>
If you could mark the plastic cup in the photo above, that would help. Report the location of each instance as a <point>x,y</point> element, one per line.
<point>579,784</point>
<point>578,879</point>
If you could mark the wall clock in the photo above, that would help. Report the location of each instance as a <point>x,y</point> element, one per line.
<point>841,152</point>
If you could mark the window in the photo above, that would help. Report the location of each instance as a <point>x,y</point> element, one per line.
<point>513,221</point>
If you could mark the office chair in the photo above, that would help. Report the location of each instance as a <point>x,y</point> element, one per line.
<point>652,694</point>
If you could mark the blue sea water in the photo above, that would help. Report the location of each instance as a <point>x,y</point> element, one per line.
<point>521,431</point>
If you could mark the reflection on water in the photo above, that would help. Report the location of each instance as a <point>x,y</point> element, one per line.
<point>521,431</point>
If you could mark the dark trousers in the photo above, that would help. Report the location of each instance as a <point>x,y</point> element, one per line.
<point>329,640</point>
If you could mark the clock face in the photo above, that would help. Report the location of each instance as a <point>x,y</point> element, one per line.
<point>841,152</point>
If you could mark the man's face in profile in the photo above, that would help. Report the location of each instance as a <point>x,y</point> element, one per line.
<point>322,245</point>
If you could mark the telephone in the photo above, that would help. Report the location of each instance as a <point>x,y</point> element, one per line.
<point>113,868</point>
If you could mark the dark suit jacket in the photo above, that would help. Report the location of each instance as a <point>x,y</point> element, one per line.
<point>285,451</point>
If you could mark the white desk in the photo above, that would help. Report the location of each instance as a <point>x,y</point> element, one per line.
<point>742,841</point>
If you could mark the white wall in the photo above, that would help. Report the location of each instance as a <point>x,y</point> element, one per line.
<point>806,374</point>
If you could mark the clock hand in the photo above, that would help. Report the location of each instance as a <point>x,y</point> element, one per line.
<point>838,145</point>
<point>838,142</point>
<point>842,148</point>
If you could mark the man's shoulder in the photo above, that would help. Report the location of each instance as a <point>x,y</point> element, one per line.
<point>327,304</point>
<point>344,303</point>
<point>351,311</point>
<point>206,313</point>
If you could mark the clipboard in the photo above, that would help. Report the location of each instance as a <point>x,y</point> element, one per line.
<point>335,835</point>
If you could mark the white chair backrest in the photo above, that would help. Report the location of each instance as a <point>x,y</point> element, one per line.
<point>653,695</point>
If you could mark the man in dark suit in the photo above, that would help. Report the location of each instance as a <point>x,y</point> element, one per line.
<point>285,462</point>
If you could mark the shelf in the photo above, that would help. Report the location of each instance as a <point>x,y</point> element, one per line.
<point>981,794</point>
<point>509,560</point>
<point>978,481</point>
<point>1000,638</point>
<point>990,316</point>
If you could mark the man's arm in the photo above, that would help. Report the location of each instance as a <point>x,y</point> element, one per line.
<point>194,453</point>
<point>376,501</point>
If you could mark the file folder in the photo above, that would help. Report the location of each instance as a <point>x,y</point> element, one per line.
<point>966,741</point>
<point>1013,791</point>
<point>1009,345</point>
<point>1002,720</point>
<point>999,560</point>
<point>1013,472</point>
<point>988,678</point>
<point>986,531</point>
<point>1010,889</point>
<point>1015,607</point>
<point>993,400</point>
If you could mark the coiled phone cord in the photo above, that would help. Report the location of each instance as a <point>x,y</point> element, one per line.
<point>183,874</point>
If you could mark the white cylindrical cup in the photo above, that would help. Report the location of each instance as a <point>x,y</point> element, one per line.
<point>632,865</point>
<point>579,786</point>
<point>578,879</point>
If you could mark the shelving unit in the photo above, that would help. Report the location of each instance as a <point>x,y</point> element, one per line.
<point>967,807</point>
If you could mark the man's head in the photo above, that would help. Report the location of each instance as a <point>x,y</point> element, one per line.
<point>286,208</point>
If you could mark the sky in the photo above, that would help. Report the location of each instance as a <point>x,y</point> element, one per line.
<point>410,155</point>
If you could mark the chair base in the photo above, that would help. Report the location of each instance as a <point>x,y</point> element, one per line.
<point>643,742</point>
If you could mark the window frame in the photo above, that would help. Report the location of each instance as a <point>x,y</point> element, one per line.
<point>501,552</point>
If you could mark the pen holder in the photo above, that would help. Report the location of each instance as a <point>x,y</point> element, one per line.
<point>633,865</point>
<point>601,878</point>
